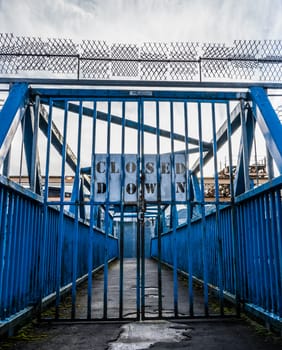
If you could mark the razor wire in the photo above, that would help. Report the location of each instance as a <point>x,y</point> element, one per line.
<point>242,60</point>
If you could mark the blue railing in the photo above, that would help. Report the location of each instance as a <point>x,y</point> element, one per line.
<point>259,225</point>
<point>242,248</point>
<point>29,254</point>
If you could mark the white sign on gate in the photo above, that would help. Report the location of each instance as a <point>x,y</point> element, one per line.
<point>116,177</point>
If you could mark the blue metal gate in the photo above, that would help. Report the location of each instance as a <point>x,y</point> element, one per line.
<point>162,161</point>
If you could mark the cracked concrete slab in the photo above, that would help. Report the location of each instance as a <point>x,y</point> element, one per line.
<point>196,335</point>
<point>142,335</point>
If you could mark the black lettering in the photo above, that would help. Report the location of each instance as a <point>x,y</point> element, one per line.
<point>101,187</point>
<point>150,167</point>
<point>180,187</point>
<point>165,168</point>
<point>114,168</point>
<point>131,188</point>
<point>130,167</point>
<point>101,167</point>
<point>179,168</point>
<point>150,188</point>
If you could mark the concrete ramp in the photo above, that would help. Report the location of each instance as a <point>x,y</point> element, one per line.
<point>129,303</point>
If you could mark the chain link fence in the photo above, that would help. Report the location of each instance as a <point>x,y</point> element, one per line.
<point>243,60</point>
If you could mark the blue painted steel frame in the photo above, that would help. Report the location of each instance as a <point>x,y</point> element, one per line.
<point>10,116</point>
<point>269,123</point>
<point>128,123</point>
<point>26,283</point>
<point>259,238</point>
<point>259,244</point>
<point>242,171</point>
<point>220,236</point>
<point>196,96</point>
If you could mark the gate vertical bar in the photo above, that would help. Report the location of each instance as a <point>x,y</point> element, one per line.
<point>261,270</point>
<point>92,199</point>
<point>253,238</point>
<point>267,245</point>
<point>203,218</point>
<point>7,251</point>
<point>241,249</point>
<point>61,215</point>
<point>12,244</point>
<point>279,248</point>
<point>143,209</point>
<point>75,233</point>
<point>174,212</point>
<point>38,214</point>
<point>106,267</point>
<point>233,214</point>
<point>28,228</point>
<point>189,211</point>
<point>160,307</point>
<point>24,254</point>
<point>268,248</point>
<point>263,225</point>
<point>121,237</point>
<point>18,259</point>
<point>45,210</point>
<point>14,239</point>
<point>218,218</point>
<point>138,246</point>
<point>3,213</point>
<point>249,250</point>
<point>274,249</point>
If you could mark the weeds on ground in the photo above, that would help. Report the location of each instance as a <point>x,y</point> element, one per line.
<point>262,331</point>
<point>25,334</point>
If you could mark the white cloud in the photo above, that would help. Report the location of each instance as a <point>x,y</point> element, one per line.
<point>143,20</point>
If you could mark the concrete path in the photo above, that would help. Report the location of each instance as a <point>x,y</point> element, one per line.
<point>129,294</point>
<point>212,335</point>
<point>220,334</point>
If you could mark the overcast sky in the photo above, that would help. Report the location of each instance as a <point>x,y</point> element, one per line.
<point>144,20</point>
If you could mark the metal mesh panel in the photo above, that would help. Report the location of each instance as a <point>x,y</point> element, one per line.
<point>271,49</point>
<point>30,46</point>
<point>37,63</point>
<point>184,51</point>
<point>8,65</point>
<point>64,47</point>
<point>186,68</point>
<point>7,47</point>
<point>65,56</point>
<point>242,60</point>
<point>213,51</point>
<point>215,68</point>
<point>154,51</point>
<point>121,53</point>
<point>244,70</point>
<point>154,71</point>
<point>271,71</point>
<point>231,70</point>
<point>184,71</point>
<point>63,64</point>
<point>6,43</point>
<point>91,64</point>
<point>247,49</point>
<point>94,49</point>
<point>90,69</point>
